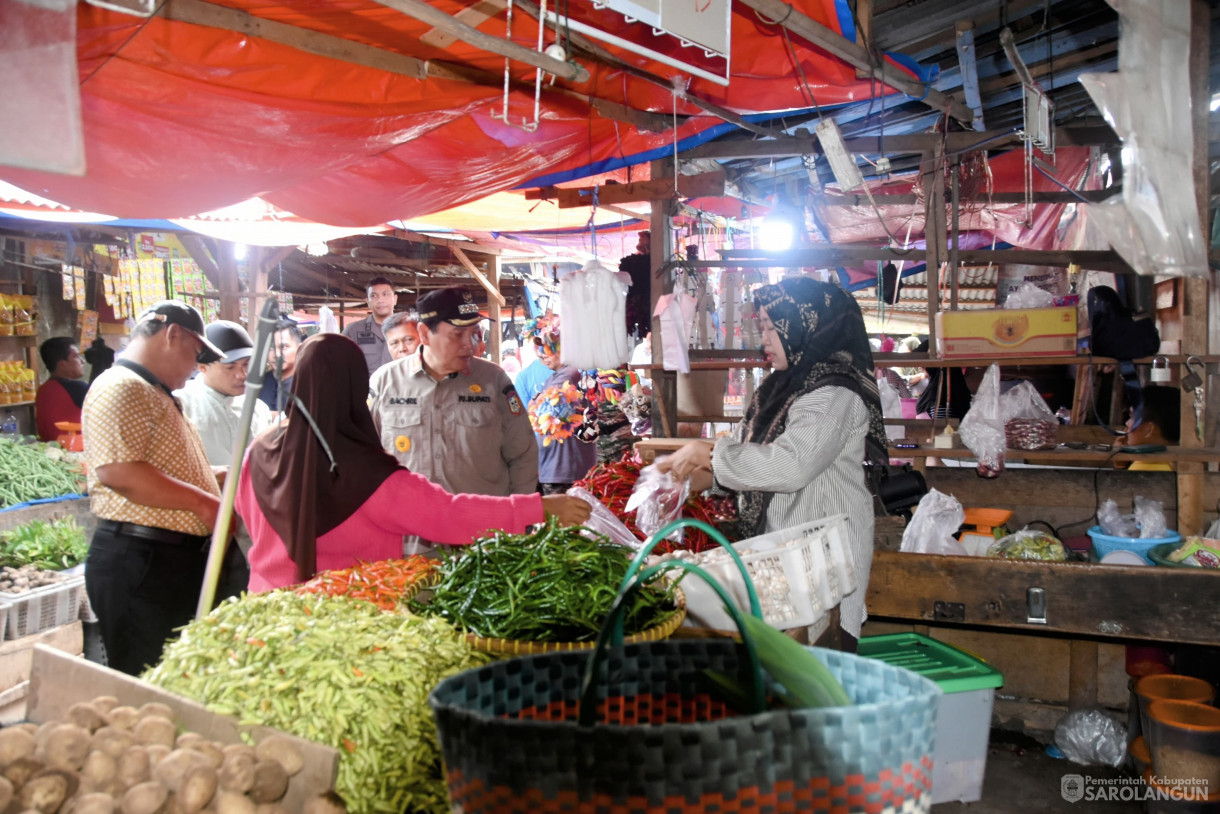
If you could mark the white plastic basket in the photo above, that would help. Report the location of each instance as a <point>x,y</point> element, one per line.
<point>43,608</point>
<point>799,573</point>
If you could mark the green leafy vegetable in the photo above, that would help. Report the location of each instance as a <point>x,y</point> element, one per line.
<point>52,546</point>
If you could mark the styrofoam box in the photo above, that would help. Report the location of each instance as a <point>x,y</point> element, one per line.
<point>43,608</point>
<point>963,713</point>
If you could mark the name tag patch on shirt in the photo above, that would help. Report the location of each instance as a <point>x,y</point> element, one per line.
<point>514,401</point>
<point>365,338</point>
<point>398,400</point>
<point>474,399</point>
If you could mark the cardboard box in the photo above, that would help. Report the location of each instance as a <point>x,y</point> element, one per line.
<point>1006,332</point>
<point>58,681</point>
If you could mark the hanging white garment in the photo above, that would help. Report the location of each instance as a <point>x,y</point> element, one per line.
<point>593,306</point>
<point>677,314</point>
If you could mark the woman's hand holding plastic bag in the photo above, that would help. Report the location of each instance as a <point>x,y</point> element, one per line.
<point>657,499</point>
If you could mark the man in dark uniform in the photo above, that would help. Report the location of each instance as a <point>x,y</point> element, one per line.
<point>367,332</point>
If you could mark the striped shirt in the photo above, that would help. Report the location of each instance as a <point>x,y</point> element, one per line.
<point>815,468</point>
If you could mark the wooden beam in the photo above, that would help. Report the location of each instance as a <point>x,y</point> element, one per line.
<point>420,10</point>
<point>490,287</point>
<point>198,250</point>
<point>898,144</point>
<point>420,237</point>
<point>708,184</point>
<point>1107,260</point>
<point>1090,196</point>
<point>472,16</point>
<point>834,43</point>
<point>198,12</point>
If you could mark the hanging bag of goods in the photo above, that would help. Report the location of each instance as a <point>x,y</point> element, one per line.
<point>651,726</point>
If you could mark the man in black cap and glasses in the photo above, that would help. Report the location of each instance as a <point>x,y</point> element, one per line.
<point>151,488</point>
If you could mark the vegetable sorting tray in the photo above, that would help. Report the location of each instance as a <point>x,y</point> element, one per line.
<point>43,608</point>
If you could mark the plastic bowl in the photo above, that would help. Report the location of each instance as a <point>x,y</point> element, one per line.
<point>1159,554</point>
<point>1141,758</point>
<point>1103,543</point>
<point>1169,687</point>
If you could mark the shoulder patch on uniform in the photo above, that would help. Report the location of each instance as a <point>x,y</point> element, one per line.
<point>514,401</point>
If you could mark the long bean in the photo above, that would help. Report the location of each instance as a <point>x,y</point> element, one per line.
<point>34,471</point>
<point>555,584</point>
<point>335,670</point>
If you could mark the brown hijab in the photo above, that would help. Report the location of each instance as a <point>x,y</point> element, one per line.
<point>302,490</point>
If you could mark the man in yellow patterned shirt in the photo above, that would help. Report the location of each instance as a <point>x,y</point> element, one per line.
<point>151,487</point>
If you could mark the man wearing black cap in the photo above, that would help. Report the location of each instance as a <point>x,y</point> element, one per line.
<point>451,417</point>
<point>213,399</point>
<point>150,486</point>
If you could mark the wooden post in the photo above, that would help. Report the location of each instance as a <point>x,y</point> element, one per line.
<point>1082,674</point>
<point>230,287</point>
<point>1195,334</point>
<point>932,165</point>
<point>664,382</point>
<point>493,311</point>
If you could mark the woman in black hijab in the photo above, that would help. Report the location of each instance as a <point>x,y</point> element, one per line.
<point>320,493</point>
<point>799,453</point>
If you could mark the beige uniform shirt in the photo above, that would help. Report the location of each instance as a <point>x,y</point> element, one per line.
<point>125,420</point>
<point>466,433</point>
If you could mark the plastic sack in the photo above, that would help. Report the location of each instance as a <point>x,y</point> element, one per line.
<point>1115,523</point>
<point>603,521</point>
<point>1091,737</point>
<point>1028,422</point>
<point>982,430</point>
<point>936,519</point>
<point>1030,296</point>
<point>657,499</point>
<point>1028,544</point>
<point>1150,517</point>
<point>891,407</point>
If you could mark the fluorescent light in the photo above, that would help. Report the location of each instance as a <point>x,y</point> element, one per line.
<point>239,251</point>
<point>317,249</point>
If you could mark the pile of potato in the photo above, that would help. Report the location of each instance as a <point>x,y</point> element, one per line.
<point>26,578</point>
<point>111,759</point>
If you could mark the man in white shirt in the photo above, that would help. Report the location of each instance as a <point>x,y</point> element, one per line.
<point>213,399</point>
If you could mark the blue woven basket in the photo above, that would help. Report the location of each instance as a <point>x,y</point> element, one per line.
<point>510,739</point>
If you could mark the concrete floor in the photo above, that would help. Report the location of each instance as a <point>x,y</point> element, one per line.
<point>1021,778</point>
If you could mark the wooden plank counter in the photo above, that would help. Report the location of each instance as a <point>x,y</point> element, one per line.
<point>1097,601</point>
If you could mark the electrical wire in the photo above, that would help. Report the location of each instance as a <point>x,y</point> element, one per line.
<point>143,24</point>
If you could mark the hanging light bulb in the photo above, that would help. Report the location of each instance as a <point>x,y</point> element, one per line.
<point>776,233</point>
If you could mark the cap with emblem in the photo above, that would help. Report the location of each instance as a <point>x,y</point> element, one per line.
<point>172,312</point>
<point>230,338</point>
<point>453,305</point>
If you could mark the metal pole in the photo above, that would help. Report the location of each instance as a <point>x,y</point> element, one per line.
<point>265,330</point>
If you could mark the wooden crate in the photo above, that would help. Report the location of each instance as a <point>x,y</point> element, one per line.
<point>57,681</point>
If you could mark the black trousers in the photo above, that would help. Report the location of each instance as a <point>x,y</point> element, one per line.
<point>143,590</point>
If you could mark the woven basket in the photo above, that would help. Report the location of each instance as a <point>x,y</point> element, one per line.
<point>513,647</point>
<point>511,743</point>
<point>516,647</point>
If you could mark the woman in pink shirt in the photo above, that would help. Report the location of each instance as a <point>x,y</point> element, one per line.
<point>318,492</point>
